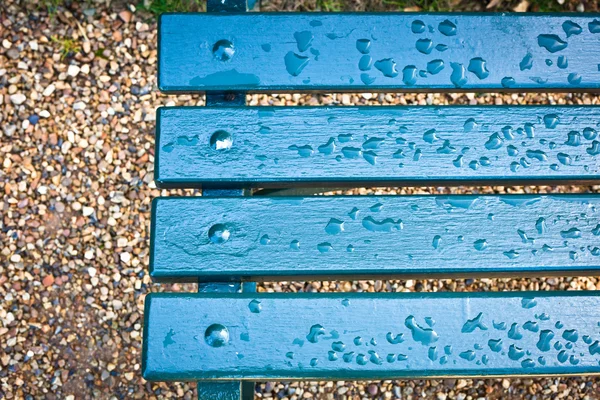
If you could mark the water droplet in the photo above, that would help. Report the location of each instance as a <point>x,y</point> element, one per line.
<point>417,155</point>
<point>508,82</point>
<point>589,133</point>
<point>425,336</point>
<point>361,359</point>
<point>564,159</point>
<point>370,156</point>
<point>315,23</point>
<point>501,326</point>
<point>572,233</point>
<point>255,306</point>
<point>303,151</point>
<point>328,147</point>
<point>394,339</point>
<point>315,331</point>
<point>367,79</point>
<point>477,66</point>
<point>363,45</point>
<point>358,341</point>
<point>375,358</point>
<point>528,302</point>
<point>537,155</point>
<point>468,355</point>
<point>551,121</point>
<point>531,326</point>
<point>424,46</point>
<point>338,346</point>
<point>562,62</point>
<point>447,28</point>
<point>594,26</point>
<point>544,341</point>
<point>494,142</point>
<point>594,150</point>
<point>574,78</point>
<point>495,345</point>
<point>571,335</point>
<point>216,335</point>
<point>348,357</point>
<point>324,247</point>
<point>372,143</point>
<point>351,152</point>
<point>169,338</point>
<point>512,254</point>
<point>332,356</point>
<point>334,226</point>
<point>435,66</point>
<point>223,50</point>
<point>346,302</point>
<point>266,47</point>
<point>552,43</point>
<point>595,348</point>
<point>470,125</point>
<point>295,63</point>
<point>387,66</point>
<point>303,40</point>
<point>437,240</point>
<point>295,245</point>
<point>528,363</point>
<point>526,62</point>
<point>219,233</point>
<point>430,136</point>
<point>290,355</point>
<point>562,356</point>
<point>475,323</point>
<point>345,138</point>
<point>459,74</point>
<point>221,141</point>
<point>514,332</point>
<point>512,150</point>
<point>571,28</point>
<point>365,63</point>
<point>480,244</point>
<point>314,362</point>
<point>386,225</point>
<point>353,213</point>
<point>441,47</point>
<point>417,26</point>
<point>515,353</point>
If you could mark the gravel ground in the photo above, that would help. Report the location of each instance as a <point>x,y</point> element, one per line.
<point>76,147</point>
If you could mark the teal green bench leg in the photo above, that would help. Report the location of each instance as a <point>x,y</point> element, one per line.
<point>232,390</point>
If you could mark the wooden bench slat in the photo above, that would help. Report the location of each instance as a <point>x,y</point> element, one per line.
<point>343,336</point>
<point>218,239</point>
<point>275,146</point>
<point>369,52</point>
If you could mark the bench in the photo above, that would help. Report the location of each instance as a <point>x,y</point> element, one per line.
<point>249,226</point>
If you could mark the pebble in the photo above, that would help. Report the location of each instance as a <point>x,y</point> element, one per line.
<point>18,98</point>
<point>73,70</point>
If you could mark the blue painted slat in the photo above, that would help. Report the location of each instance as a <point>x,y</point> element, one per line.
<point>275,146</point>
<point>220,239</point>
<point>370,336</point>
<point>412,52</point>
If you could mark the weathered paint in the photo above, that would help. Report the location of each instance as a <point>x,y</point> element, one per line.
<point>220,239</point>
<point>388,51</point>
<point>343,336</point>
<point>277,146</point>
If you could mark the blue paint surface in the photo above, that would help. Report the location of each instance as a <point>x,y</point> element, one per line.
<point>371,336</point>
<point>220,239</point>
<point>284,52</point>
<point>270,146</point>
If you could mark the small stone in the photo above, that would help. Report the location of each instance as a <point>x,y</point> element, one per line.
<point>117,304</point>
<point>18,98</point>
<point>373,389</point>
<point>125,16</point>
<point>59,207</point>
<point>505,383</point>
<point>87,211</point>
<point>13,53</point>
<point>44,114</point>
<point>48,280</point>
<point>49,90</point>
<point>9,130</point>
<point>80,105</point>
<point>73,70</point>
